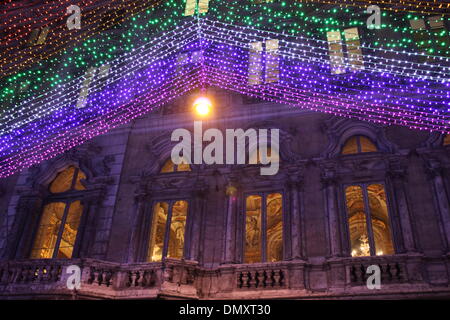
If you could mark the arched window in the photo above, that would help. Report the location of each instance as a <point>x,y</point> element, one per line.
<point>358,144</point>
<point>169,166</point>
<point>447,140</point>
<point>167,230</point>
<point>257,155</point>
<point>368,220</point>
<point>58,227</point>
<point>263,228</point>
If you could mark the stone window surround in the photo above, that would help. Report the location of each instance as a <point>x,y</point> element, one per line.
<point>369,227</point>
<point>33,198</point>
<point>148,225</point>
<point>263,194</point>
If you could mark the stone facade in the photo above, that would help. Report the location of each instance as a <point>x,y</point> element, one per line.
<point>124,181</point>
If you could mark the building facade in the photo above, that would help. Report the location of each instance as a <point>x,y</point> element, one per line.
<point>348,195</point>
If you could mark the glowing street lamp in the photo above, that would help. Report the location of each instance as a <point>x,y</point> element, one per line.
<point>202,106</point>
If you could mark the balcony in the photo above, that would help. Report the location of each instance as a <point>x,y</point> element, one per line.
<point>99,279</point>
<point>402,276</point>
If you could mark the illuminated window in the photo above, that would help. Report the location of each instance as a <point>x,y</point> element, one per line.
<point>272,61</point>
<point>354,53</point>
<point>255,157</point>
<point>38,36</point>
<point>58,227</point>
<point>255,66</point>
<point>358,144</point>
<point>263,65</point>
<point>169,166</point>
<point>191,5</point>
<point>368,220</point>
<point>263,228</point>
<point>447,140</point>
<point>336,50</point>
<point>430,34</point>
<point>167,231</point>
<point>99,75</point>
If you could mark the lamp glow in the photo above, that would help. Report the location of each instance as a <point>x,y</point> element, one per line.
<point>202,106</point>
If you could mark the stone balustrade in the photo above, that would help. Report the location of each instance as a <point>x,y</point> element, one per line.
<point>185,279</point>
<point>391,271</point>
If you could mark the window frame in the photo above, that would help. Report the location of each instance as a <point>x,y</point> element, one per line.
<point>368,214</point>
<point>66,197</point>
<point>263,195</point>
<point>175,168</point>
<point>170,201</point>
<point>358,145</point>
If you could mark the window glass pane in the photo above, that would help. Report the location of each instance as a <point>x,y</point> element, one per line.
<point>69,234</point>
<point>367,145</point>
<point>355,56</point>
<point>253,230</point>
<point>203,6</point>
<point>63,181</point>
<point>190,7</point>
<point>380,219</point>
<point>359,238</point>
<point>168,167</point>
<point>81,176</point>
<point>254,63</point>
<point>43,35</point>
<point>351,146</point>
<point>272,61</point>
<point>256,156</point>
<point>177,228</point>
<point>47,234</point>
<point>447,140</point>
<point>184,166</point>
<point>336,52</point>
<point>274,209</point>
<point>158,229</point>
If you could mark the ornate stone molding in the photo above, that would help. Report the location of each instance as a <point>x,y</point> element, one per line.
<point>340,130</point>
<point>397,167</point>
<point>86,157</point>
<point>328,173</point>
<point>287,136</point>
<point>435,139</point>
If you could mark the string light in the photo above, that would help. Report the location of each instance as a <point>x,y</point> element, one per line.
<point>425,7</point>
<point>404,92</point>
<point>289,16</point>
<point>94,21</point>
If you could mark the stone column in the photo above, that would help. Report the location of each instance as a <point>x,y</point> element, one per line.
<point>138,226</point>
<point>442,200</point>
<point>91,202</point>
<point>197,217</point>
<point>330,189</point>
<point>397,174</point>
<point>20,241</point>
<point>229,252</point>
<point>295,221</point>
